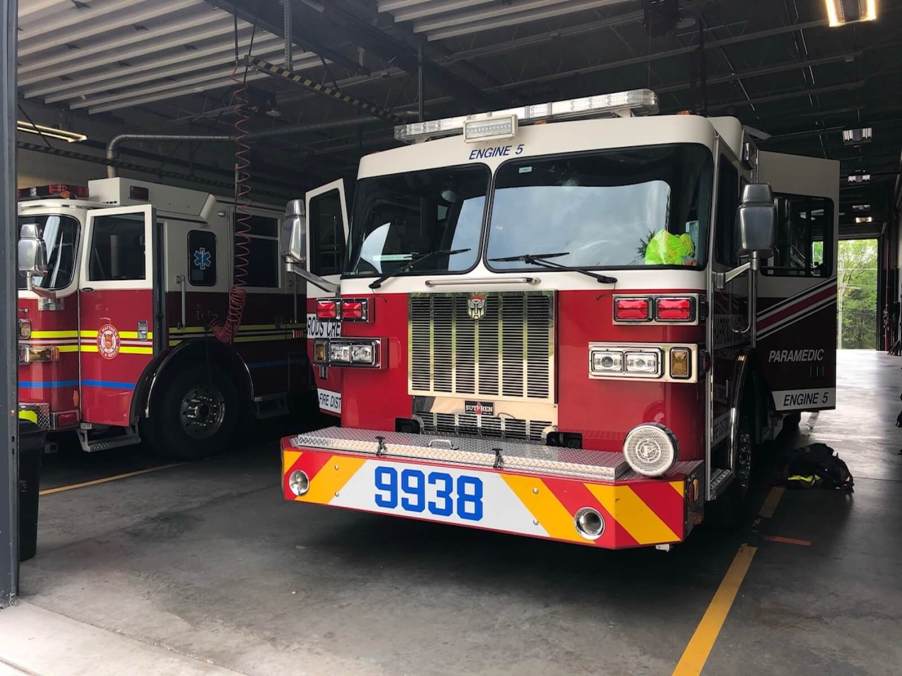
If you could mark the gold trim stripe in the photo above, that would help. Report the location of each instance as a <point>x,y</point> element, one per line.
<point>331,478</point>
<point>632,514</point>
<point>544,506</point>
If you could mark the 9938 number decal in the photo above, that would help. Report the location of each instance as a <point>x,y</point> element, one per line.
<point>437,493</point>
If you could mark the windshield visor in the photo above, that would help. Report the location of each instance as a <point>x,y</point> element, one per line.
<point>60,235</point>
<point>400,217</point>
<point>610,209</point>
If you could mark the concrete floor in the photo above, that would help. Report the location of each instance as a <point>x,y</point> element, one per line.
<point>201,568</point>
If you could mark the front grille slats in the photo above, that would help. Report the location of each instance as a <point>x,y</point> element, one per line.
<point>494,427</point>
<point>506,353</point>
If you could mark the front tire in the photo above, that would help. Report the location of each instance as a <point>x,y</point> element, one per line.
<point>196,414</point>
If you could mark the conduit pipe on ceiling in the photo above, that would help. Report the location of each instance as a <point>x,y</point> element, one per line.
<point>116,140</point>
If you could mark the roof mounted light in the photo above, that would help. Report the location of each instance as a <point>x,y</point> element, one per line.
<point>856,137</point>
<point>52,132</point>
<point>841,12</point>
<point>619,104</point>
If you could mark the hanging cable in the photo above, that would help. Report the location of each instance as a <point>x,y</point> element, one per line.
<point>226,331</point>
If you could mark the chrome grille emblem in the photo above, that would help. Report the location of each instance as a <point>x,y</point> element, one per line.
<point>476,306</point>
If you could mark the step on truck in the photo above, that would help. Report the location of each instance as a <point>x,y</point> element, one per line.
<point>577,330</point>
<point>125,293</point>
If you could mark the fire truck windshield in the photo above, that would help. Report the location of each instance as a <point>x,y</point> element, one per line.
<point>400,217</point>
<point>60,235</point>
<point>607,209</point>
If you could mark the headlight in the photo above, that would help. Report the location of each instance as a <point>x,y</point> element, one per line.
<point>650,449</point>
<point>24,329</point>
<point>607,361</point>
<point>366,352</point>
<point>646,363</point>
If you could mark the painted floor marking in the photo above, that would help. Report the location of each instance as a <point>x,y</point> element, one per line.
<point>771,501</point>
<point>787,541</point>
<point>105,480</point>
<point>699,647</point>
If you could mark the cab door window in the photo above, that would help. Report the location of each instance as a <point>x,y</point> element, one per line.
<point>117,248</point>
<point>725,240</point>
<point>327,239</point>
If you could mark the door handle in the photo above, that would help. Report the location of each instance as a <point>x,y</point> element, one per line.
<point>87,289</point>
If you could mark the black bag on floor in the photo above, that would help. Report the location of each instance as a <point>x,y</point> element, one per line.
<point>818,466</point>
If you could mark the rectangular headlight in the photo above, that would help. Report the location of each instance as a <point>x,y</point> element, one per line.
<point>365,352</point>
<point>607,361</point>
<point>646,363</point>
<point>339,353</point>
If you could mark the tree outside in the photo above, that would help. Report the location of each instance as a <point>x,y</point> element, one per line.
<point>857,304</point>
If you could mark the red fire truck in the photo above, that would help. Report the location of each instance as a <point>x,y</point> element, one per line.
<point>576,330</point>
<point>124,290</point>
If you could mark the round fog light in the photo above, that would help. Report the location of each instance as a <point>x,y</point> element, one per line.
<point>298,483</point>
<point>589,523</point>
<point>650,449</point>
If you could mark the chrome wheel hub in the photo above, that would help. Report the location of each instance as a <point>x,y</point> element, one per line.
<point>202,411</point>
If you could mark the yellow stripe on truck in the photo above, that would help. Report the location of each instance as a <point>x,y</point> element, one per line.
<point>54,334</point>
<point>330,479</point>
<point>544,506</point>
<point>632,514</point>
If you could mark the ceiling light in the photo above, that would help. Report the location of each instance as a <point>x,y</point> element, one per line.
<point>861,207</point>
<point>841,12</point>
<point>864,219</point>
<point>52,132</point>
<point>855,137</point>
<point>859,178</point>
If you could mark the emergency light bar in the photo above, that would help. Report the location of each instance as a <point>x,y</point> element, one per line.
<point>503,123</point>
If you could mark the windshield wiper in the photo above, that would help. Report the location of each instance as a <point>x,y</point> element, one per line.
<point>416,260</point>
<point>542,261</point>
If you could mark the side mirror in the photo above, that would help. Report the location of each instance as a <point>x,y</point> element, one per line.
<point>32,252</point>
<point>757,217</point>
<point>296,222</point>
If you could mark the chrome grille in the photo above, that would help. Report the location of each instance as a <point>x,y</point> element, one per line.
<point>505,354</point>
<point>495,427</point>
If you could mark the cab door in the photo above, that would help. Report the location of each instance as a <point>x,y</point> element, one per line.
<point>116,310</point>
<point>797,303</point>
<point>327,221</point>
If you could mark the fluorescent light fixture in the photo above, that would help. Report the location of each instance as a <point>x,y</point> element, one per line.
<point>52,132</point>
<point>861,207</point>
<point>856,137</point>
<point>859,178</point>
<point>841,12</point>
<point>864,219</point>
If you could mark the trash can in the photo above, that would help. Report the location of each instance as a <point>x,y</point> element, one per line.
<point>31,451</point>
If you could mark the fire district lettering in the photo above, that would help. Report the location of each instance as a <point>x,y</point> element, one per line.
<point>794,356</point>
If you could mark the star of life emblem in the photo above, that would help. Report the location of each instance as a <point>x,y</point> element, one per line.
<point>203,259</point>
<point>476,306</point>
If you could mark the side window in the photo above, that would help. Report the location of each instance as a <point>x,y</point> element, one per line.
<point>725,240</point>
<point>263,251</point>
<point>327,237</point>
<point>804,237</point>
<point>201,258</point>
<point>117,248</point>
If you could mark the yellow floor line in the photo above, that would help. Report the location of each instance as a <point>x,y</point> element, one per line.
<point>696,653</point>
<point>96,482</point>
<point>771,501</point>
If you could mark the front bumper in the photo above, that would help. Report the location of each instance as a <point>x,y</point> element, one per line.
<point>490,484</point>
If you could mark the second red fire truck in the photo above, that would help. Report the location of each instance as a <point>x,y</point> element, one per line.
<point>124,314</point>
<point>576,330</point>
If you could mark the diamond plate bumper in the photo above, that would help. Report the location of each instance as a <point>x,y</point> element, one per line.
<point>525,489</point>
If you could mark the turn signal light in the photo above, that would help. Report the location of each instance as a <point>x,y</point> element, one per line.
<point>680,363</point>
<point>674,309</point>
<point>327,309</point>
<point>632,309</point>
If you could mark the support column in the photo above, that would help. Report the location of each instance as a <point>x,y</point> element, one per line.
<point>9,494</point>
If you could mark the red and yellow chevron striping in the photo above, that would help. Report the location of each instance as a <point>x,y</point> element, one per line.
<point>637,512</point>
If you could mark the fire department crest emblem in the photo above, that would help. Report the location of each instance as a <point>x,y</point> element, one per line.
<point>476,306</point>
<point>108,341</point>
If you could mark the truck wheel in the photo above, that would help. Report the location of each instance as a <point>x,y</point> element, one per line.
<point>196,415</point>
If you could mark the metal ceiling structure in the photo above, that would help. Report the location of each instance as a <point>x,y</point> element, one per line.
<point>775,65</point>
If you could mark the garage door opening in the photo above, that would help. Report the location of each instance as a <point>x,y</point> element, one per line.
<point>857,302</point>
